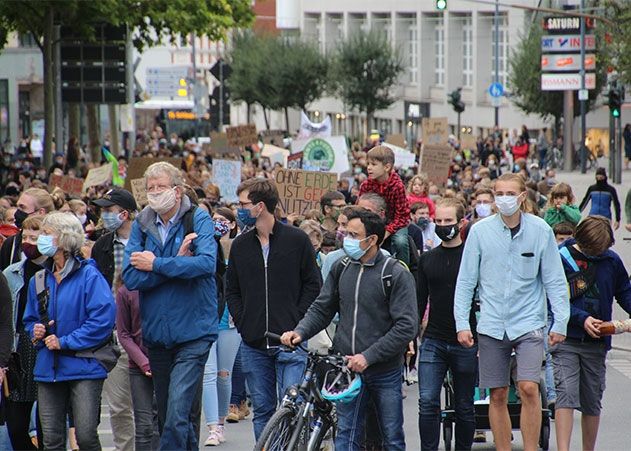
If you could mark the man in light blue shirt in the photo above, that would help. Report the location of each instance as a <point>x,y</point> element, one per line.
<point>512,257</point>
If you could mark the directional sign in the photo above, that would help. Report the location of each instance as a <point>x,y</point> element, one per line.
<point>496,90</point>
<point>166,81</point>
<point>567,43</point>
<point>566,82</point>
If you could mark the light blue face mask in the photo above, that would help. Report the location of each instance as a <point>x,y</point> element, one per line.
<point>45,245</point>
<point>353,249</point>
<point>112,221</point>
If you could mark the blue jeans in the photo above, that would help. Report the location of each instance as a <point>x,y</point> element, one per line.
<point>177,378</point>
<point>5,443</point>
<point>269,372</point>
<point>436,356</point>
<point>143,400</point>
<point>238,381</point>
<point>218,377</point>
<point>385,390</point>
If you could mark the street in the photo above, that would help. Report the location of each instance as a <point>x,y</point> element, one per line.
<point>616,413</point>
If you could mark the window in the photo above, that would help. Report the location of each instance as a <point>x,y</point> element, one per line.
<point>334,31</point>
<point>26,40</point>
<point>412,52</point>
<point>467,52</point>
<point>502,50</point>
<point>4,110</point>
<point>439,55</point>
<point>311,31</point>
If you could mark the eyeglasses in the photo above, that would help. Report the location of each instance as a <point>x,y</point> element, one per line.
<point>244,204</point>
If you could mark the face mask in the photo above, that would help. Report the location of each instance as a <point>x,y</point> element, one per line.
<point>162,202</point>
<point>243,214</point>
<point>457,158</point>
<point>353,249</point>
<point>30,250</point>
<point>483,210</point>
<point>221,228</point>
<point>45,245</point>
<point>111,221</point>
<point>507,205</point>
<point>447,232</point>
<point>82,218</point>
<point>20,216</point>
<point>173,141</point>
<point>422,222</point>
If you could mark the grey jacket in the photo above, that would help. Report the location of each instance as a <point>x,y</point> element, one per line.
<point>369,324</point>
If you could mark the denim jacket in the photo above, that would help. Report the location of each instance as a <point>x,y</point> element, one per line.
<point>15,279</point>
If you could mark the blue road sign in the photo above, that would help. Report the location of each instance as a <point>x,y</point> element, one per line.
<point>496,90</point>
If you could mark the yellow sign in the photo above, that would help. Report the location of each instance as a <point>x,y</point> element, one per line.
<point>181,115</point>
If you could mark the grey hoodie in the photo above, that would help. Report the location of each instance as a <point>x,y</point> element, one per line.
<point>369,324</point>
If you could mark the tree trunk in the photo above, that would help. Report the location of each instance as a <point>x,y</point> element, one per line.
<point>369,116</point>
<point>114,134</point>
<point>74,121</point>
<point>248,114</point>
<point>287,119</point>
<point>94,134</point>
<point>49,88</point>
<point>265,117</point>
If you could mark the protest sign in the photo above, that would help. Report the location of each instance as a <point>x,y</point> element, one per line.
<point>219,145</point>
<point>138,166</point>
<point>98,176</point>
<point>227,176</point>
<point>139,191</point>
<point>396,139</point>
<point>403,158</point>
<point>274,137</point>
<point>323,154</point>
<point>310,129</point>
<point>69,185</point>
<point>435,130</point>
<point>468,142</point>
<point>294,161</point>
<point>242,135</point>
<point>435,161</point>
<point>300,191</point>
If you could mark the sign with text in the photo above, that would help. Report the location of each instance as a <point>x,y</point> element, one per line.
<point>468,142</point>
<point>566,62</point>
<point>567,43</point>
<point>219,145</point>
<point>564,82</point>
<point>566,24</point>
<point>327,154</point>
<point>98,176</point>
<point>242,135</point>
<point>138,166</point>
<point>435,130</point>
<point>435,162</point>
<point>397,139</point>
<point>69,185</point>
<point>294,161</point>
<point>227,176</point>
<point>139,191</point>
<point>300,191</point>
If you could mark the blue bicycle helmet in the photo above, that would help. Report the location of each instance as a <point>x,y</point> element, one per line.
<point>341,385</point>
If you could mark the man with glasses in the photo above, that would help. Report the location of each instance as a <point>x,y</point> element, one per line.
<point>272,280</point>
<point>331,205</point>
<point>174,272</point>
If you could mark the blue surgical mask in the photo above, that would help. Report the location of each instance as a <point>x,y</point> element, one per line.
<point>423,222</point>
<point>243,214</point>
<point>45,245</point>
<point>353,249</point>
<point>483,210</point>
<point>112,221</point>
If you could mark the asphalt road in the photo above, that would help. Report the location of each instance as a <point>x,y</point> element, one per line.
<point>616,416</point>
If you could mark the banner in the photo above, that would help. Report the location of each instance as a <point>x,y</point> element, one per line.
<point>323,154</point>
<point>310,129</point>
<point>139,191</point>
<point>227,176</point>
<point>138,166</point>
<point>435,130</point>
<point>69,185</point>
<point>242,135</point>
<point>435,162</point>
<point>403,158</point>
<point>301,191</point>
<point>294,161</point>
<point>98,176</point>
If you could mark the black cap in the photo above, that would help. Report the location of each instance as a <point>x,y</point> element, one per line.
<point>601,171</point>
<point>118,196</point>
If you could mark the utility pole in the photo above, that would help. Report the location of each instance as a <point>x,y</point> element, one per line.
<point>583,97</point>
<point>496,21</point>
<point>221,95</point>
<point>131,94</point>
<point>195,100</point>
<point>59,109</point>
<point>568,125</point>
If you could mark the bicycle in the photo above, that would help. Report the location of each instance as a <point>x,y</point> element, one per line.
<point>304,418</point>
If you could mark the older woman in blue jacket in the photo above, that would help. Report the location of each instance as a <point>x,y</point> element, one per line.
<point>78,314</point>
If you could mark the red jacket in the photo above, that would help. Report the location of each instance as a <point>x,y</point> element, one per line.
<point>393,192</point>
<point>413,199</point>
<point>520,151</point>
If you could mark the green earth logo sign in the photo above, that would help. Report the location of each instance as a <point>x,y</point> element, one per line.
<point>318,155</point>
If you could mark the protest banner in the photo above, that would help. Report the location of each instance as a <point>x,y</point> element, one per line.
<point>310,129</point>
<point>294,161</point>
<point>435,161</point>
<point>397,139</point>
<point>227,176</point>
<point>219,145</point>
<point>139,191</point>
<point>300,191</point>
<point>435,130</point>
<point>69,185</point>
<point>242,135</point>
<point>98,176</point>
<point>323,154</point>
<point>138,166</point>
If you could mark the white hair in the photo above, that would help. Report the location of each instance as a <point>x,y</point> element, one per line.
<point>68,230</point>
<point>164,168</point>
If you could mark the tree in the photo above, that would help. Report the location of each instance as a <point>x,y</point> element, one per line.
<point>364,70</point>
<point>619,37</point>
<point>524,79</point>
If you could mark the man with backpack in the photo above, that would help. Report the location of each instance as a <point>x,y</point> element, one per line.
<point>376,300</point>
<point>170,259</point>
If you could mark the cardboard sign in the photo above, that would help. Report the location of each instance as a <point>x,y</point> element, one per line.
<point>396,139</point>
<point>219,145</point>
<point>139,191</point>
<point>242,135</point>
<point>435,161</point>
<point>274,137</point>
<point>69,185</point>
<point>138,166</point>
<point>329,154</point>
<point>300,191</point>
<point>435,130</point>
<point>227,176</point>
<point>98,176</point>
<point>468,142</point>
<point>294,161</point>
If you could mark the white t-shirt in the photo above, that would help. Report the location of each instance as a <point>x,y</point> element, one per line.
<point>37,149</point>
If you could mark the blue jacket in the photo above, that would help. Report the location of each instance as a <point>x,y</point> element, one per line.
<point>612,281</point>
<point>84,312</point>
<point>178,299</point>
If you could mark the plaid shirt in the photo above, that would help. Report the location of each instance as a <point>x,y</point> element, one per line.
<point>119,254</point>
<point>393,192</point>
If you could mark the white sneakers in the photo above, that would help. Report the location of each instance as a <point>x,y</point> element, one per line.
<point>216,435</point>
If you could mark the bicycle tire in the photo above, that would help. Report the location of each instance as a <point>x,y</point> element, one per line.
<point>277,431</point>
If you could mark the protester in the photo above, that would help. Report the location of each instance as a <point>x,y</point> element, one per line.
<point>374,337</point>
<point>561,206</point>
<point>157,265</point>
<point>69,314</point>
<point>6,341</point>
<point>602,195</point>
<point>512,308</point>
<point>330,204</point>
<point>418,189</point>
<point>422,219</point>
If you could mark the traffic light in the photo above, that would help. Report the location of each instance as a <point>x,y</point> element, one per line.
<point>455,101</point>
<point>615,101</point>
<point>441,5</point>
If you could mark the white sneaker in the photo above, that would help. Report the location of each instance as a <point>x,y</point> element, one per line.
<point>213,439</point>
<point>221,433</point>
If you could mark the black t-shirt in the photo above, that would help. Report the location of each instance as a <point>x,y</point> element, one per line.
<point>437,275</point>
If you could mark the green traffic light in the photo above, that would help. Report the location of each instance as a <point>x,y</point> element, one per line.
<point>441,5</point>
<point>615,112</point>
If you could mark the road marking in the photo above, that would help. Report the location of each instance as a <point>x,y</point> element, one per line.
<point>623,366</point>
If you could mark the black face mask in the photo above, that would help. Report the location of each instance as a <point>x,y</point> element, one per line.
<point>447,232</point>
<point>20,216</point>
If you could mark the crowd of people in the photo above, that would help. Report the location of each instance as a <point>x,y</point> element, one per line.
<point>163,310</point>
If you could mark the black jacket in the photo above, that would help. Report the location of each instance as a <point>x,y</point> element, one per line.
<point>11,251</point>
<point>274,297</point>
<point>103,255</point>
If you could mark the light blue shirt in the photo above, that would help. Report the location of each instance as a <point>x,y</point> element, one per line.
<point>514,276</point>
<point>163,229</point>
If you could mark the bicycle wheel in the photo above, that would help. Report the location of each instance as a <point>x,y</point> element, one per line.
<point>277,431</point>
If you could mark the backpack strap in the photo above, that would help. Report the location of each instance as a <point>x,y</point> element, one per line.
<point>565,254</point>
<point>42,292</point>
<point>187,220</point>
<point>386,277</point>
